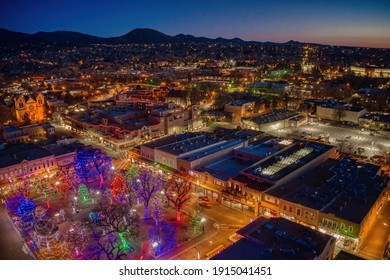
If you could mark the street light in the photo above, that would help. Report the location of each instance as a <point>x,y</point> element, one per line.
<point>202,221</point>
<point>198,252</point>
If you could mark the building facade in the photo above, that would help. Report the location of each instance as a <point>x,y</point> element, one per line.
<point>29,109</point>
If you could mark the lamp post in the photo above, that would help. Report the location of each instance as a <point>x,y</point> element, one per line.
<point>197,252</point>
<point>202,221</point>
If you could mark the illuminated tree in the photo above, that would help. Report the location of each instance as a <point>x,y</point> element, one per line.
<point>76,238</point>
<point>12,203</point>
<point>145,185</point>
<point>145,250</point>
<point>26,209</point>
<point>68,170</point>
<point>62,184</point>
<point>132,173</point>
<point>92,163</point>
<point>162,237</point>
<point>83,193</point>
<point>57,251</point>
<point>116,218</point>
<point>196,221</point>
<point>114,231</point>
<point>157,210</point>
<point>106,247</point>
<point>24,186</point>
<point>118,189</point>
<point>178,191</point>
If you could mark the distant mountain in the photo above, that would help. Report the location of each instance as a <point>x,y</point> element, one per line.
<point>143,36</point>
<point>8,37</point>
<point>137,36</point>
<point>65,37</point>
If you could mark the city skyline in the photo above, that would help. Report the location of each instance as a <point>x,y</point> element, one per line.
<point>350,23</point>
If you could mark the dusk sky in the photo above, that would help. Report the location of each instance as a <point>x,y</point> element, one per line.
<point>351,23</point>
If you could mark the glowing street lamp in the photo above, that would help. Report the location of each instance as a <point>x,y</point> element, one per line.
<point>202,221</point>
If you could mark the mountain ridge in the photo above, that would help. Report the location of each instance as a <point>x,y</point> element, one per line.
<point>136,36</point>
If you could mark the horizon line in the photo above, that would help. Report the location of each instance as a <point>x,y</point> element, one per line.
<point>200,36</point>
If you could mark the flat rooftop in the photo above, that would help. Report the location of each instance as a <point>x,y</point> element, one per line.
<point>189,145</point>
<point>18,153</point>
<point>11,128</point>
<point>239,102</point>
<point>276,239</point>
<point>171,139</point>
<point>227,133</point>
<point>211,150</point>
<point>345,187</point>
<point>262,148</point>
<point>273,116</point>
<point>288,160</point>
<point>228,167</point>
<point>119,112</point>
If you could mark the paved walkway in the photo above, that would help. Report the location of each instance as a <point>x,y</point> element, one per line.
<point>11,242</point>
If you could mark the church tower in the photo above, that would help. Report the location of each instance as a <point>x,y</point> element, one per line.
<point>29,109</point>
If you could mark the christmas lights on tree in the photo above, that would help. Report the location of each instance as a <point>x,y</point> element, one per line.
<point>118,189</point>
<point>92,163</point>
<point>26,209</point>
<point>62,184</point>
<point>12,203</point>
<point>76,239</point>
<point>83,193</point>
<point>132,173</point>
<point>145,185</point>
<point>157,210</point>
<point>145,250</point>
<point>162,237</point>
<point>196,222</point>
<point>178,192</point>
<point>57,251</point>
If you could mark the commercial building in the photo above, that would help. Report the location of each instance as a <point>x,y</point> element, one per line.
<point>371,71</point>
<point>122,128</point>
<point>278,239</point>
<point>291,160</point>
<point>339,111</point>
<point>179,97</point>
<point>24,134</point>
<point>186,151</point>
<point>338,197</point>
<point>270,120</point>
<point>31,160</point>
<point>240,109</point>
<point>377,122</point>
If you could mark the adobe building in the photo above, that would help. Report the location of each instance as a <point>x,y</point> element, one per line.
<point>29,109</point>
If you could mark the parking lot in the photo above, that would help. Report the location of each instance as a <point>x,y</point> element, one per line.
<point>348,139</point>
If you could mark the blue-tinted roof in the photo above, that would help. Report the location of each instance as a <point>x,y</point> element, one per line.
<point>239,102</point>
<point>11,128</point>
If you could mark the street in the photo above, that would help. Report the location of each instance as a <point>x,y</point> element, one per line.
<point>11,242</point>
<point>374,246</point>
